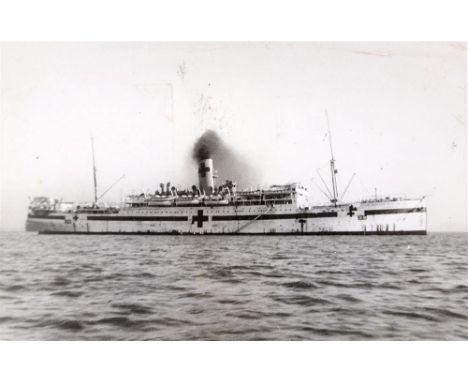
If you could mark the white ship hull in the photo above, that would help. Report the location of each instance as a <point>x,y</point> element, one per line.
<point>379,217</point>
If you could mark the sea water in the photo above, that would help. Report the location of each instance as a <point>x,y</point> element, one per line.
<point>55,287</point>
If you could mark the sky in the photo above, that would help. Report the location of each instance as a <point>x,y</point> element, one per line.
<point>397,113</point>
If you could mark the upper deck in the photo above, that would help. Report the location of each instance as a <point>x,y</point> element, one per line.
<point>292,194</point>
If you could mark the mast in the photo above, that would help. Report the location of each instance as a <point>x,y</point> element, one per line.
<point>334,171</point>
<point>94,171</point>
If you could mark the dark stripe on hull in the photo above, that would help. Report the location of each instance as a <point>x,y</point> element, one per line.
<point>140,218</point>
<point>216,218</point>
<point>237,217</point>
<point>394,211</point>
<point>275,217</point>
<point>321,233</point>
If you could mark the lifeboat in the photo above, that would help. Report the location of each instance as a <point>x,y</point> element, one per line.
<point>187,202</point>
<point>216,202</point>
<point>162,201</point>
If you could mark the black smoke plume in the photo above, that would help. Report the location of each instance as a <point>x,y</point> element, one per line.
<point>228,163</point>
<point>207,146</point>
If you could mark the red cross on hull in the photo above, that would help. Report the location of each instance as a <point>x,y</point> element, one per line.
<point>199,219</point>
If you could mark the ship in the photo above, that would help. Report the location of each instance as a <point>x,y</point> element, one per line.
<point>221,209</point>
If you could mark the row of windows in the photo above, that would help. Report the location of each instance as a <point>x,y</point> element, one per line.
<point>238,203</point>
<point>188,212</point>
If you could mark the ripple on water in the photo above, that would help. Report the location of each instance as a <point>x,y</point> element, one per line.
<point>147,275</point>
<point>231,301</point>
<point>120,321</point>
<point>411,315</point>
<point>14,288</point>
<point>302,300</point>
<point>61,281</point>
<point>65,324</point>
<point>335,332</point>
<point>133,308</point>
<point>300,285</point>
<point>6,319</point>
<point>446,313</point>
<point>67,293</point>
<point>196,295</point>
<point>459,289</point>
<point>347,297</point>
<point>73,325</point>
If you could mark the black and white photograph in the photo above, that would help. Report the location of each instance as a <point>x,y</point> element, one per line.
<point>234,191</point>
<point>182,192</point>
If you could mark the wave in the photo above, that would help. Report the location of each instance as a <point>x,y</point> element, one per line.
<point>300,285</point>
<point>14,288</point>
<point>361,285</point>
<point>302,300</point>
<point>67,293</point>
<point>120,321</point>
<point>336,332</point>
<point>347,297</point>
<point>61,281</point>
<point>65,324</point>
<point>412,315</point>
<point>446,313</point>
<point>133,308</point>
